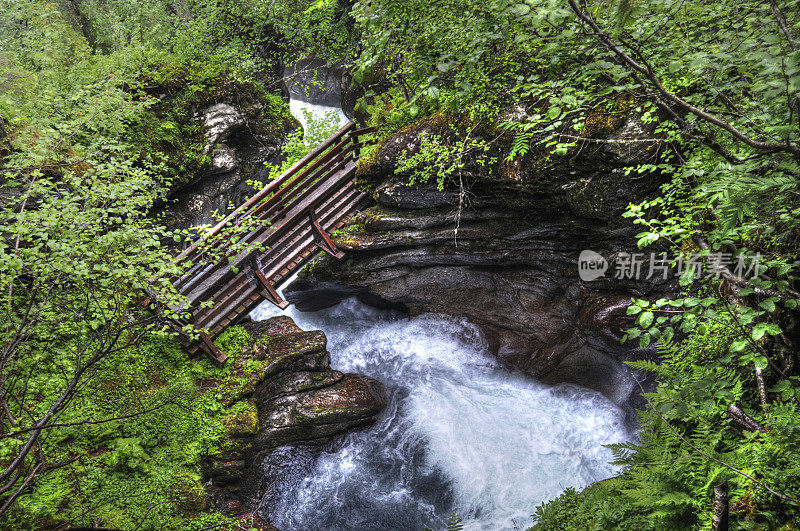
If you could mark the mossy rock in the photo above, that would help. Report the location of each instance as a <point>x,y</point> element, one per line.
<point>243,422</point>
<point>233,449</point>
<point>224,472</point>
<point>296,344</point>
<point>188,494</point>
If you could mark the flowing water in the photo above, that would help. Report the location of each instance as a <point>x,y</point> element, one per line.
<point>318,112</point>
<point>460,434</point>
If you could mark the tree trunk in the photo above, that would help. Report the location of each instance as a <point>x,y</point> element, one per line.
<point>762,387</point>
<point>720,520</point>
<point>743,420</point>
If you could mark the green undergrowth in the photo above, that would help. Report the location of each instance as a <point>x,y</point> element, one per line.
<point>688,444</point>
<point>142,470</point>
<point>172,132</point>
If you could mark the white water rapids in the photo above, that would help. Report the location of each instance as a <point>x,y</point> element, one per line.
<point>460,434</point>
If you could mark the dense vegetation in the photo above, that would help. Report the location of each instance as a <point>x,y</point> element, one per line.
<point>89,146</point>
<point>720,84</point>
<point>102,417</point>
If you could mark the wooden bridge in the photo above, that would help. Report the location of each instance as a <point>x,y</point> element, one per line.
<point>241,261</point>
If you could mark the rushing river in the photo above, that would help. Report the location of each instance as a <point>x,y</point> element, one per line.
<point>460,434</point>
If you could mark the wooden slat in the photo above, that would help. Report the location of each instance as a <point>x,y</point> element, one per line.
<point>274,185</point>
<point>208,283</point>
<point>294,215</point>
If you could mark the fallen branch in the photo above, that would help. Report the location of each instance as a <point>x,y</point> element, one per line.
<point>743,420</point>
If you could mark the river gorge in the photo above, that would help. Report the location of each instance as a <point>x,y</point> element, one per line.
<point>459,435</point>
<point>463,431</point>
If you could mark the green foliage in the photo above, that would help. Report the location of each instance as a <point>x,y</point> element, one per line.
<point>668,482</point>
<point>300,143</point>
<point>129,456</point>
<point>716,85</point>
<point>151,458</point>
<point>101,417</point>
<point>322,28</point>
<point>233,339</point>
<point>438,160</point>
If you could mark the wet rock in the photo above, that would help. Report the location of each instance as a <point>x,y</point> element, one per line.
<point>315,80</point>
<point>322,82</point>
<point>509,261</point>
<point>396,193</point>
<point>282,391</point>
<point>224,159</point>
<point>316,414</point>
<point>237,142</point>
<point>220,120</point>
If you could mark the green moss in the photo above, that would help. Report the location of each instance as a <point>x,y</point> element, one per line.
<point>190,498</point>
<point>242,421</point>
<point>349,228</point>
<point>170,133</point>
<point>233,340</point>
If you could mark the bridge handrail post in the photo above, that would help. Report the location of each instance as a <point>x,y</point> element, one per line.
<point>266,190</point>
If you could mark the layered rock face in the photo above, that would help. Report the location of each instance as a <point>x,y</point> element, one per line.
<point>509,261</point>
<point>284,396</point>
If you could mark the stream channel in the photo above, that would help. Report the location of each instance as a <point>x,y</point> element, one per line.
<point>460,434</point>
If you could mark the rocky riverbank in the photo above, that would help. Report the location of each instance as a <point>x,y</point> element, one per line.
<point>284,394</point>
<point>508,261</point>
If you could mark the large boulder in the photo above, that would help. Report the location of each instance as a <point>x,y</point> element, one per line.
<point>220,121</point>
<point>283,395</point>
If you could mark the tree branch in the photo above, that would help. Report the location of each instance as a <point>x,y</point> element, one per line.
<point>645,70</point>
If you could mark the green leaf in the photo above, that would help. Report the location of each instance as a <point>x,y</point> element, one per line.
<point>765,328</point>
<point>768,304</point>
<point>644,341</point>
<point>645,319</point>
<point>738,346</point>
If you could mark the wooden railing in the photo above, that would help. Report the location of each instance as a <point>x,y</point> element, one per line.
<point>241,260</point>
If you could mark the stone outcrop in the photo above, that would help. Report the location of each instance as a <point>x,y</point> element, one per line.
<point>282,395</point>
<point>509,261</point>
<point>237,142</point>
<point>322,82</point>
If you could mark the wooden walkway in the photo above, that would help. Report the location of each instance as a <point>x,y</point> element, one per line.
<point>226,276</point>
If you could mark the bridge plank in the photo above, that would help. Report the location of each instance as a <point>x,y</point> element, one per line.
<point>206,282</point>
<point>294,215</point>
<point>274,185</point>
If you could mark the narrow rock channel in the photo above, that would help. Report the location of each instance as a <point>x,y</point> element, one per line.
<point>460,433</point>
